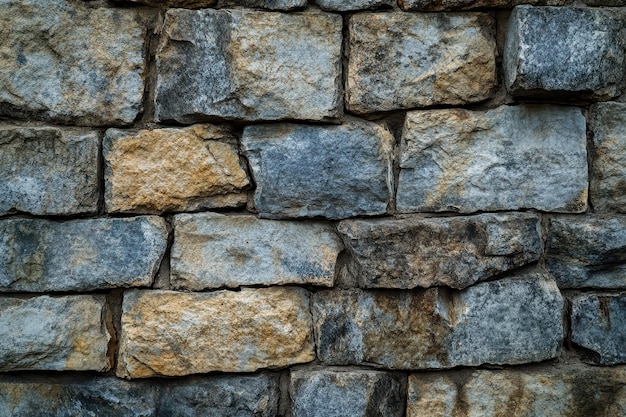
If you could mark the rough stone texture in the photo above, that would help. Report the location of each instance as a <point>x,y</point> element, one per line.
<point>607,188</point>
<point>599,325</point>
<point>400,61</point>
<point>337,393</point>
<point>564,390</point>
<point>264,66</point>
<point>587,251</point>
<point>48,171</point>
<point>191,4</point>
<point>452,251</point>
<point>152,171</point>
<point>266,4</point>
<point>61,61</point>
<point>565,52</point>
<point>449,5</point>
<point>56,334</point>
<point>512,157</point>
<point>329,171</point>
<point>350,5</point>
<point>212,250</point>
<point>39,255</point>
<point>174,333</point>
<point>509,321</point>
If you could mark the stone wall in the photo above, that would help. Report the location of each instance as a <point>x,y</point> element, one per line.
<point>333,208</point>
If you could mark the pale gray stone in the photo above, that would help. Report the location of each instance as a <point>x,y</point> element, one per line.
<point>48,171</point>
<point>508,158</point>
<point>264,66</point>
<point>353,5</point>
<point>212,250</point>
<point>450,5</point>
<point>39,255</point>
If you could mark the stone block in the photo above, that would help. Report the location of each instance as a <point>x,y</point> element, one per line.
<point>354,5</point>
<point>283,5</point>
<point>451,5</point>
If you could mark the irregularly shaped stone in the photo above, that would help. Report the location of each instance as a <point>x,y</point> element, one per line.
<point>587,251</point>
<point>510,321</point>
<point>65,62</point>
<point>212,250</point>
<point>565,52</point>
<point>350,5</point>
<point>174,333</point>
<point>266,4</point>
<point>607,186</point>
<point>452,251</point>
<point>152,171</point>
<point>48,171</point>
<point>337,393</point>
<point>512,157</point>
<point>264,66</point>
<point>56,334</point>
<point>329,171</point>
<point>449,5</point>
<point>39,255</point>
<point>399,61</point>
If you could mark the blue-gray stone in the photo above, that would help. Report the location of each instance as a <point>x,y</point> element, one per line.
<point>353,5</point>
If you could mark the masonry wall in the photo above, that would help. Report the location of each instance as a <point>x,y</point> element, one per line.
<point>341,208</point>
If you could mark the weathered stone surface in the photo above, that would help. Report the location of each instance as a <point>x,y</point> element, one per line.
<point>152,171</point>
<point>599,325</point>
<point>565,51</point>
<point>400,61</point>
<point>190,4</point>
<point>212,250</point>
<point>607,187</point>
<point>264,66</point>
<point>337,393</point>
<point>62,61</point>
<point>509,321</point>
<point>587,251</point>
<point>456,252</point>
<point>57,334</point>
<point>555,391</point>
<point>266,4</point>
<point>449,5</point>
<point>329,171</point>
<point>48,171</point>
<point>39,255</point>
<point>350,5</point>
<point>512,157</point>
<point>174,333</point>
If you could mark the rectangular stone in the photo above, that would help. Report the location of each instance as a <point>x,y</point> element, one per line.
<point>212,250</point>
<point>264,66</point>
<point>353,5</point>
<point>38,255</point>
<point>452,5</point>
<point>48,170</point>
<point>508,158</point>
<point>53,333</point>
<point>405,60</point>
<point>282,5</point>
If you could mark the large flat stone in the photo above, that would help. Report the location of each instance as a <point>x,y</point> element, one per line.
<point>152,171</point>
<point>354,5</point>
<point>65,62</point>
<point>48,171</point>
<point>510,321</point>
<point>283,5</point>
<point>512,157</point>
<point>402,60</point>
<point>173,333</point>
<point>53,334</point>
<point>264,66</point>
<point>565,52</point>
<point>212,250</point>
<point>450,5</point>
<point>39,255</point>
<point>328,171</point>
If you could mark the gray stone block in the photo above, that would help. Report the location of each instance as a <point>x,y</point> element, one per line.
<point>354,5</point>
<point>283,5</point>
<point>451,5</point>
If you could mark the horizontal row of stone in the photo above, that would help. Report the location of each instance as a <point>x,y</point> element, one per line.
<point>276,66</point>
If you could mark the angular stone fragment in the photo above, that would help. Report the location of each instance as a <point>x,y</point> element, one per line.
<point>266,4</point>
<point>399,61</point>
<point>39,255</point>
<point>512,157</point>
<point>452,251</point>
<point>212,250</point>
<point>587,251</point>
<point>510,321</point>
<point>565,52</point>
<point>55,334</point>
<point>337,393</point>
<point>450,5</point>
<point>264,66</point>
<point>62,61</point>
<point>174,333</point>
<point>607,186</point>
<point>350,5</point>
<point>329,171</point>
<point>152,171</point>
<point>48,171</point>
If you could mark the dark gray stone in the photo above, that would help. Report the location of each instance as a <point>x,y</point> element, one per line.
<point>450,5</point>
<point>353,5</point>
<point>284,5</point>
